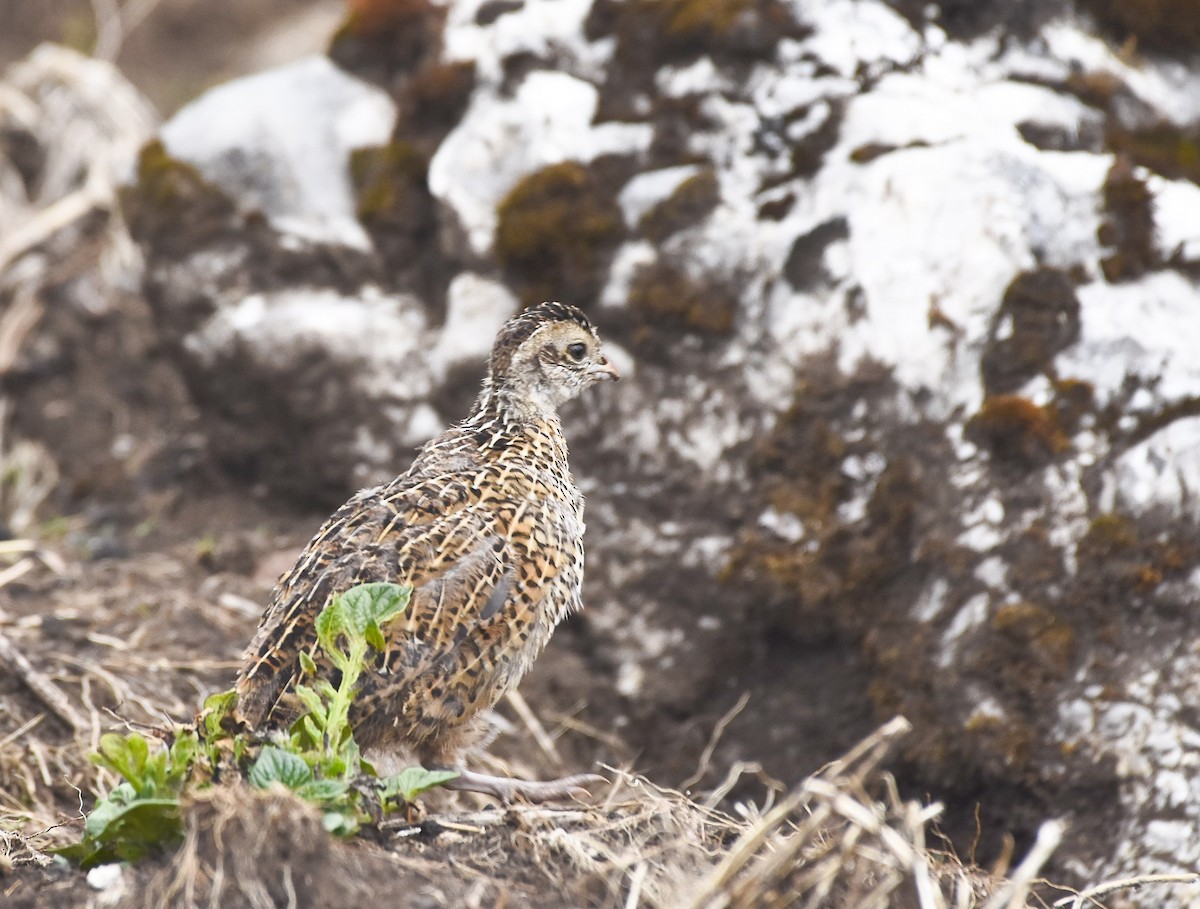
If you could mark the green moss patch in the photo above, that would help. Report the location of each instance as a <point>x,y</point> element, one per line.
<point>691,202</point>
<point>1014,429</point>
<point>170,207</point>
<point>1128,226</point>
<point>1038,317</point>
<point>394,203</point>
<point>664,300</point>
<point>556,229</point>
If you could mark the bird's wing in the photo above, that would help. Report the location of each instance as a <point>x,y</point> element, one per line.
<point>467,559</point>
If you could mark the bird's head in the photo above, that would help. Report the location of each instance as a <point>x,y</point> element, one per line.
<point>547,355</point>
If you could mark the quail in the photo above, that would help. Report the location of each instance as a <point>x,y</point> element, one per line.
<point>486,527</point>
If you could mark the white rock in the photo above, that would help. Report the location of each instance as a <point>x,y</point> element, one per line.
<point>647,189</point>
<point>384,336</point>
<point>1162,470</point>
<point>848,34</point>
<point>476,307</point>
<point>280,142</point>
<point>500,140</point>
<point>1176,219</point>
<point>970,615</point>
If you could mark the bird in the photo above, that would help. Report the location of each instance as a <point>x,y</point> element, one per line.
<point>486,527</point>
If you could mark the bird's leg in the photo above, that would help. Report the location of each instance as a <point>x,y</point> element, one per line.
<point>506,789</point>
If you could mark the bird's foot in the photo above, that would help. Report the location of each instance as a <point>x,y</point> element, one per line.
<point>507,789</point>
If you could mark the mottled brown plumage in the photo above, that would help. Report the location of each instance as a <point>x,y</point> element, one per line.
<point>487,527</point>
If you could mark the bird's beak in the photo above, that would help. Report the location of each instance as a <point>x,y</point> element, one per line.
<point>604,370</point>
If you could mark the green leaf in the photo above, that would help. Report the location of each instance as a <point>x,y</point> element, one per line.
<point>411,782</point>
<point>311,730</point>
<point>138,749</point>
<point>373,604</point>
<point>113,754</point>
<point>274,765</point>
<point>154,772</point>
<point>313,702</point>
<point>374,636</point>
<point>216,708</point>
<point>339,824</point>
<point>145,820</point>
<point>76,853</point>
<point>126,755</point>
<point>307,665</point>
<point>221,702</point>
<point>108,808</point>
<point>334,766</point>
<point>126,832</point>
<point>322,791</point>
<point>185,751</point>
<point>330,625</point>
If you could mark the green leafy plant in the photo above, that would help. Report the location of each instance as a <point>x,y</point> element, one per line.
<point>141,813</point>
<point>403,788</point>
<point>320,760</point>
<point>317,759</point>
<point>347,628</point>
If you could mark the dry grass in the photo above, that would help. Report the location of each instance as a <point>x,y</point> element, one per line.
<point>841,839</point>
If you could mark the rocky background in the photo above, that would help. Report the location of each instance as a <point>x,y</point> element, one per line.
<point>906,299</point>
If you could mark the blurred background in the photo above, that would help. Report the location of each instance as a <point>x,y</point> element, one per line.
<point>174,49</point>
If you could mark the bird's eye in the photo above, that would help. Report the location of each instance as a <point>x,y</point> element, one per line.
<point>576,351</point>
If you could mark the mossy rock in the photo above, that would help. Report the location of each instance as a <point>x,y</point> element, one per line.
<point>1116,548</point>
<point>435,98</point>
<point>1044,637</point>
<point>1163,148</point>
<point>394,203</point>
<point>380,40</point>
<point>555,230</point>
<point>690,203</point>
<point>1107,535</point>
<point>1095,87</point>
<point>707,26</point>
<point>1038,317</point>
<point>1073,399</point>
<point>801,457</point>
<point>664,298</point>
<point>384,177</point>
<point>171,207</point>
<point>1128,226</point>
<point>1014,429</point>
<point>1163,25</point>
<point>698,19</point>
<point>1000,744</point>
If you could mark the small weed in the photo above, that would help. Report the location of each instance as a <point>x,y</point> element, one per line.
<point>142,813</point>
<point>317,759</point>
<point>403,788</point>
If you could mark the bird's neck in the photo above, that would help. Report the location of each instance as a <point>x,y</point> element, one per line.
<point>505,404</point>
<point>508,426</point>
